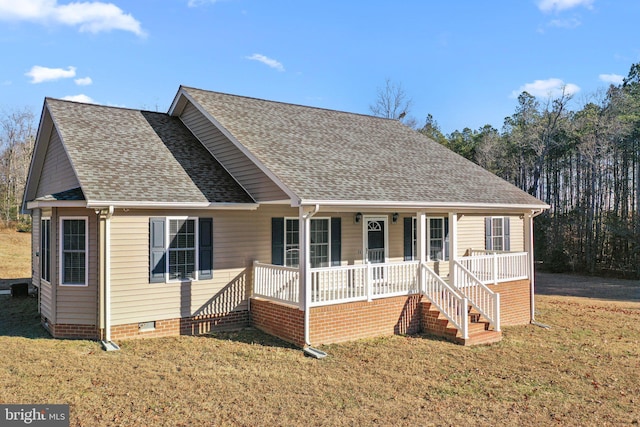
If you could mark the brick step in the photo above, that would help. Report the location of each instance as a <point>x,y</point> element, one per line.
<point>481,338</point>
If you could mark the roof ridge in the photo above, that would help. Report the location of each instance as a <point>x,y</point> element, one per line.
<point>288,103</point>
<point>90,104</point>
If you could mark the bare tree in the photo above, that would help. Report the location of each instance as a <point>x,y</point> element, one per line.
<point>17,137</point>
<point>392,102</point>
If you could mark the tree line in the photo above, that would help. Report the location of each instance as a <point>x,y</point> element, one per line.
<point>17,138</point>
<point>584,163</point>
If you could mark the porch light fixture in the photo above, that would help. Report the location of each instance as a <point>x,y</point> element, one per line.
<point>358,217</point>
<point>394,217</point>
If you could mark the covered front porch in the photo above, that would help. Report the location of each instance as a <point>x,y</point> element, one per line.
<point>460,284</point>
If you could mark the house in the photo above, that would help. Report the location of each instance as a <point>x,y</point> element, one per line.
<point>316,226</point>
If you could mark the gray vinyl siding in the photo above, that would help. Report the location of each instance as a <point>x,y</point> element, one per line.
<point>35,247</point>
<point>76,304</point>
<point>254,181</point>
<point>57,173</point>
<point>47,290</point>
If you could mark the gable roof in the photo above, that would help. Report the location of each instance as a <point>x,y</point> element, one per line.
<point>332,156</point>
<point>124,155</point>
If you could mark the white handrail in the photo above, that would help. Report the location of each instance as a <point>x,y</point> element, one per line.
<point>363,282</point>
<point>496,267</point>
<point>480,296</point>
<point>446,299</point>
<point>276,282</point>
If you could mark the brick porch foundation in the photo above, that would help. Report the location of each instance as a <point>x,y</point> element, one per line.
<point>380,317</point>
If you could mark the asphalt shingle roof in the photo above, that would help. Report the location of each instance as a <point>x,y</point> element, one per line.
<point>330,155</point>
<point>130,155</point>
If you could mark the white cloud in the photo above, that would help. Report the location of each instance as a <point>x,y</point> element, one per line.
<point>83,81</point>
<point>92,17</point>
<point>565,23</point>
<point>550,88</point>
<point>196,3</point>
<point>560,5</point>
<point>79,98</point>
<point>40,74</point>
<point>615,79</point>
<point>267,61</point>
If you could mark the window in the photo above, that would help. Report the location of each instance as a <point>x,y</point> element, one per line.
<point>318,246</point>
<point>291,246</point>
<point>436,239</point>
<point>180,249</point>
<point>497,233</point>
<point>437,244</point>
<point>45,249</point>
<point>324,245</point>
<point>73,251</point>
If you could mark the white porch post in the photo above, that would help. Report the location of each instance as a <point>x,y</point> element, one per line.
<point>421,243</point>
<point>528,244</point>
<point>304,236</point>
<point>421,237</point>
<point>453,246</point>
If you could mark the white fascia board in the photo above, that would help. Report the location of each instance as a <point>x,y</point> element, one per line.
<point>458,207</point>
<point>37,157</point>
<point>233,140</point>
<point>171,205</point>
<point>36,204</point>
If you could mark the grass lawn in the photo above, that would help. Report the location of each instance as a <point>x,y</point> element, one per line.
<point>583,371</point>
<point>15,254</point>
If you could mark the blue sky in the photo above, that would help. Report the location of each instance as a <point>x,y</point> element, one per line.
<point>462,61</point>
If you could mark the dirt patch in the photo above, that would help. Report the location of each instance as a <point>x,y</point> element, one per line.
<point>587,286</point>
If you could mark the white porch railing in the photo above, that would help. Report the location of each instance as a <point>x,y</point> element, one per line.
<point>479,295</point>
<point>276,282</point>
<point>495,267</point>
<point>450,303</point>
<point>335,285</point>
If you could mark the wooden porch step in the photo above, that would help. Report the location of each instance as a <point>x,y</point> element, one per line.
<point>434,323</point>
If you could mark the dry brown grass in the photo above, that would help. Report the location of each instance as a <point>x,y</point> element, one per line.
<point>15,254</point>
<point>583,371</point>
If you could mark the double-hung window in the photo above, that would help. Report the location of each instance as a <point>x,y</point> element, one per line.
<point>497,233</point>
<point>319,247</point>
<point>324,244</point>
<point>437,244</point>
<point>73,251</point>
<point>180,249</point>
<point>45,249</point>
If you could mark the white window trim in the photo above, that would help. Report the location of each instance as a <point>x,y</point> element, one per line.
<point>45,218</point>
<point>61,254</point>
<point>167,243</point>
<point>428,238</point>
<point>293,218</point>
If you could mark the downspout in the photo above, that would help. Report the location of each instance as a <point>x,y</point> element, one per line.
<point>107,343</point>
<point>307,275</point>
<point>107,275</point>
<point>533,214</point>
<point>308,350</point>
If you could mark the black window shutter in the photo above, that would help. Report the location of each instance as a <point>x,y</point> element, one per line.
<point>408,239</point>
<point>488,242</point>
<point>507,232</point>
<point>336,241</point>
<point>445,242</point>
<point>157,257</point>
<point>277,241</point>
<point>205,246</point>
